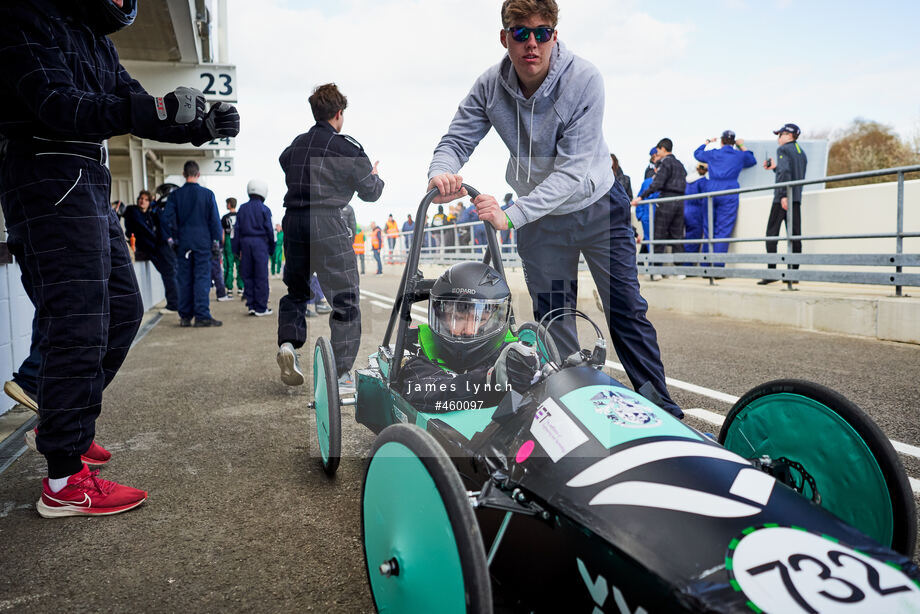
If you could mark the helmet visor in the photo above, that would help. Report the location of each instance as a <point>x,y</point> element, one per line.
<point>467,320</point>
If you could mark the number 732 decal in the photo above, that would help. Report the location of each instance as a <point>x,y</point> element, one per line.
<point>790,570</point>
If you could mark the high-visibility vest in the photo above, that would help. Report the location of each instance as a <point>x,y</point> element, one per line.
<point>359,242</point>
<point>375,238</point>
<point>392,229</point>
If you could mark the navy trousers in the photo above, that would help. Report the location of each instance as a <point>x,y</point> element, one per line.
<point>27,376</point>
<point>193,276</point>
<point>696,226</point>
<point>217,277</point>
<point>549,250</point>
<point>320,243</point>
<point>254,271</point>
<point>78,271</point>
<point>164,260</point>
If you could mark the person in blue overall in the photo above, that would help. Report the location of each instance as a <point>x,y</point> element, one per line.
<point>725,164</point>
<point>192,227</point>
<point>253,241</point>
<point>65,93</point>
<point>642,213</point>
<point>696,224</point>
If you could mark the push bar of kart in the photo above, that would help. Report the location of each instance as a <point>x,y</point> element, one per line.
<point>408,284</point>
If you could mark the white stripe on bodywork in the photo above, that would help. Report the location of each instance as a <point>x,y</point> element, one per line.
<point>753,485</point>
<point>675,498</point>
<point>647,453</point>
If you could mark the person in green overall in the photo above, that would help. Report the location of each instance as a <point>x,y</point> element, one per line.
<point>466,352</point>
<point>278,255</point>
<point>230,261</point>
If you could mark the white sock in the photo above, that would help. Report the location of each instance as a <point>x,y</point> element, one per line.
<point>56,484</point>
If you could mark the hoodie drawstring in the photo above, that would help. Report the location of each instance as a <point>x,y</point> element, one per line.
<point>530,146</point>
<point>517,157</point>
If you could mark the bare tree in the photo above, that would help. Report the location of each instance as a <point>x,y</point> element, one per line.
<point>868,145</point>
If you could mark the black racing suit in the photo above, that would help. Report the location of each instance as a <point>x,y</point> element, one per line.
<point>431,388</point>
<point>323,170</point>
<point>64,92</point>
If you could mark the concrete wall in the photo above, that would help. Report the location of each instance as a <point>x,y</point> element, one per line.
<point>16,313</point>
<point>867,209</point>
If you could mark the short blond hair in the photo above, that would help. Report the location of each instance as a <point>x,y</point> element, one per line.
<point>519,10</point>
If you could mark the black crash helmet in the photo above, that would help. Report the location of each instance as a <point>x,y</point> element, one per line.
<point>468,313</point>
<point>105,17</point>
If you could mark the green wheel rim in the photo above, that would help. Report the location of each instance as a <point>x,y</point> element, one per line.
<point>405,518</point>
<point>848,476</point>
<point>321,399</point>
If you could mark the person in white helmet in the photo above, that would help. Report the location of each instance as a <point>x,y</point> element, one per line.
<point>253,241</point>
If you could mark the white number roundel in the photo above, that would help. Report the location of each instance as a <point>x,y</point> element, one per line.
<point>788,571</point>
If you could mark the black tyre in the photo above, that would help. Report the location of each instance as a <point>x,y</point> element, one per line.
<point>326,406</point>
<point>422,544</point>
<point>856,470</point>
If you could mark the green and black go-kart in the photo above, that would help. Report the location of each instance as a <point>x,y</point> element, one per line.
<point>583,496</point>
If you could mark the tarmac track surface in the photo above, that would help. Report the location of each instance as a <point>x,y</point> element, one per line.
<point>241,517</point>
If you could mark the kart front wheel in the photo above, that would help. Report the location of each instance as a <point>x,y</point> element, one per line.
<point>854,467</point>
<point>326,406</point>
<point>422,544</point>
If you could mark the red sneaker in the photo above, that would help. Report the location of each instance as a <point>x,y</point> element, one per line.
<point>95,456</point>
<point>86,494</point>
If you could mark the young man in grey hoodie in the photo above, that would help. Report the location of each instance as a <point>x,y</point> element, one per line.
<point>547,105</point>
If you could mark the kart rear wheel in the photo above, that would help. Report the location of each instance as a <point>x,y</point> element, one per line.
<point>856,469</point>
<point>530,332</point>
<point>423,548</point>
<point>326,406</point>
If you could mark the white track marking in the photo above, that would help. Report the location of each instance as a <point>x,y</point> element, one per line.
<point>387,298</point>
<point>702,414</point>
<point>705,415</point>
<point>906,448</point>
<point>676,383</point>
<point>390,306</point>
<point>914,485</point>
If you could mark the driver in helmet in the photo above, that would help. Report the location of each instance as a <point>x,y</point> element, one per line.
<point>466,352</point>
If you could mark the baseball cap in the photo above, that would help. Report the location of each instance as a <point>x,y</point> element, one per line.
<point>790,128</point>
<point>653,151</point>
<point>728,135</point>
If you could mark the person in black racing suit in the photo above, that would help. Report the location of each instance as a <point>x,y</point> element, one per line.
<point>65,92</point>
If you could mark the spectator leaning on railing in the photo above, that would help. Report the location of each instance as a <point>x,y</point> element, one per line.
<point>670,180</point>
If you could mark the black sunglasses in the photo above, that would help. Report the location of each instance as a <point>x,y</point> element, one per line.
<point>522,34</point>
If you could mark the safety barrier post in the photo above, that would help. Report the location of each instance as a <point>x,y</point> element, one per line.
<point>899,240</point>
<point>790,232</point>
<point>709,245</point>
<point>651,234</point>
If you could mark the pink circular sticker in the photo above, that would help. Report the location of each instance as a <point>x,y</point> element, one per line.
<point>524,452</point>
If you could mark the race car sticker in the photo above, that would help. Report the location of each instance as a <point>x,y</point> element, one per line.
<point>616,415</point>
<point>792,570</point>
<point>555,430</point>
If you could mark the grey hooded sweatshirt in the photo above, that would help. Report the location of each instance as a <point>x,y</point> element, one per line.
<point>559,161</point>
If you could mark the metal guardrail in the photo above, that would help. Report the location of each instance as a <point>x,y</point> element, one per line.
<point>456,242</point>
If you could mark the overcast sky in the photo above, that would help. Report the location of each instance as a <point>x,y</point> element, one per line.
<point>677,69</point>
